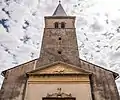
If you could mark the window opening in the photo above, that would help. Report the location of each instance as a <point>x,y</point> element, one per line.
<point>59,52</point>
<point>59,38</point>
<point>62,25</point>
<point>56,25</point>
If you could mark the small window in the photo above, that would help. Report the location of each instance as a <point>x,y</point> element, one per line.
<point>59,38</point>
<point>59,52</point>
<point>56,24</point>
<point>62,25</point>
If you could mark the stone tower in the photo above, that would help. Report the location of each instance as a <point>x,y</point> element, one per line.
<point>59,39</point>
<point>59,68</point>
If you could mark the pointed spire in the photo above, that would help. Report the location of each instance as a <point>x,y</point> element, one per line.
<point>59,1</point>
<point>59,10</point>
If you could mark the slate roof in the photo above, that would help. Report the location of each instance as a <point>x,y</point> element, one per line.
<point>59,11</point>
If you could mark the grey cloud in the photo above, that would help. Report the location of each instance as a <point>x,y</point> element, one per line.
<point>81,21</point>
<point>115,56</point>
<point>96,27</point>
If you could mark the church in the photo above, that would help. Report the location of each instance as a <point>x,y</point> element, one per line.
<point>59,73</point>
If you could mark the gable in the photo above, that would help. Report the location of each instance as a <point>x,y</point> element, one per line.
<point>59,68</point>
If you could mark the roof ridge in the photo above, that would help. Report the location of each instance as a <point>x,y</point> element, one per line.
<point>115,74</point>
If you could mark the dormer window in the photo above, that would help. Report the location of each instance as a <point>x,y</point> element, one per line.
<point>63,25</point>
<point>56,25</point>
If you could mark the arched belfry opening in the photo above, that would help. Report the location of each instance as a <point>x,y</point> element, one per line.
<point>56,25</point>
<point>62,24</point>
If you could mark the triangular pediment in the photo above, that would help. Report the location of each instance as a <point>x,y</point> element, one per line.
<point>59,68</point>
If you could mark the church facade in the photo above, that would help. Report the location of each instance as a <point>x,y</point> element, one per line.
<point>59,73</point>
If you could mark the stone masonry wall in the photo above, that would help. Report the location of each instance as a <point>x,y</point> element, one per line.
<point>15,80</point>
<point>51,46</point>
<point>103,86</point>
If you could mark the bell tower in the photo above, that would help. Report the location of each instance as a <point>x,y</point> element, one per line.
<point>59,39</point>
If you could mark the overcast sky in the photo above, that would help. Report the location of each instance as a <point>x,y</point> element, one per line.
<point>97,23</point>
